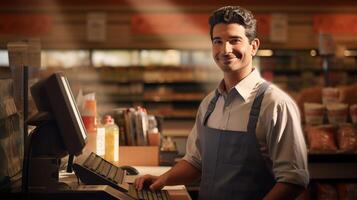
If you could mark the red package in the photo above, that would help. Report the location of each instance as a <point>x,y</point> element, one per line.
<point>321,138</point>
<point>347,191</point>
<point>347,138</point>
<point>326,192</point>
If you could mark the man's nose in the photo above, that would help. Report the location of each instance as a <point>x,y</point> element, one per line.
<point>227,47</point>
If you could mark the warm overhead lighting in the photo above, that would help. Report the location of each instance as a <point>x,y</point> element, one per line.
<point>265,52</point>
<point>347,53</point>
<point>350,53</point>
<point>313,52</point>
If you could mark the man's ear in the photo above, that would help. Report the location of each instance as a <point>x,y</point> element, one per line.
<point>255,46</point>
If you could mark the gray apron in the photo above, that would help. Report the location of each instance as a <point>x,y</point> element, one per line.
<point>232,164</point>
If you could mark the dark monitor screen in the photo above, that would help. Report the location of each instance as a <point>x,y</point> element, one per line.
<point>54,95</point>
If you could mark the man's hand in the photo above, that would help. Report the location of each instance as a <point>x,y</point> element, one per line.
<point>153,182</point>
<point>182,173</point>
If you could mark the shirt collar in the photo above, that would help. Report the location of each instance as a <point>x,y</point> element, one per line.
<point>245,86</point>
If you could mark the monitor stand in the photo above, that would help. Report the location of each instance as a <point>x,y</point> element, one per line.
<point>70,164</point>
<point>45,151</point>
<point>44,176</point>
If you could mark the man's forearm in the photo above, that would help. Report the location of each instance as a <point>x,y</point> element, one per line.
<point>182,173</point>
<point>284,191</point>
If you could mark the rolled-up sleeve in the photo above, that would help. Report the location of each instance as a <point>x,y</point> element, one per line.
<point>193,155</point>
<point>286,143</point>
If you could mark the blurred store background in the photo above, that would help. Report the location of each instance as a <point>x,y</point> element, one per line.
<point>156,54</point>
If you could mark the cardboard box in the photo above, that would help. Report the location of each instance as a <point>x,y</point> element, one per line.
<point>138,156</point>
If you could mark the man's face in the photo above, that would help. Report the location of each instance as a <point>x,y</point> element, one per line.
<point>231,48</point>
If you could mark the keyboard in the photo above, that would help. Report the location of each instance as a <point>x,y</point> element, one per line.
<point>146,194</point>
<point>95,170</point>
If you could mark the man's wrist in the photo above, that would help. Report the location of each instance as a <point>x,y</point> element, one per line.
<point>164,179</point>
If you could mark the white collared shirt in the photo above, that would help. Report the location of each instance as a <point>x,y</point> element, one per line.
<point>278,129</point>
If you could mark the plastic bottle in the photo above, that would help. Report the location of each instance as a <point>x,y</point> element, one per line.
<point>111,139</point>
<point>100,143</point>
<point>89,113</point>
<point>92,141</point>
<point>153,131</point>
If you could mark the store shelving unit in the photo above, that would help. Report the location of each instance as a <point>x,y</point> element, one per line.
<point>298,69</point>
<point>173,93</point>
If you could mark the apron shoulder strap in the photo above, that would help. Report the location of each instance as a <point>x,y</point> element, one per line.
<point>211,106</point>
<point>255,110</point>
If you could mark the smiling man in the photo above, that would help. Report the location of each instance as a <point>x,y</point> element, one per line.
<point>247,141</point>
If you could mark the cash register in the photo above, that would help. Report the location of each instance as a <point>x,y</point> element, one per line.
<point>60,132</point>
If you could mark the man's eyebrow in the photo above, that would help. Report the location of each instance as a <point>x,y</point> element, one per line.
<point>216,38</point>
<point>235,37</point>
<point>231,37</point>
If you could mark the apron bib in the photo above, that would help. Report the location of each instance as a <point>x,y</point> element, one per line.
<point>232,164</point>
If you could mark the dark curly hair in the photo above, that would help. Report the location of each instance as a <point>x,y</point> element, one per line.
<point>235,14</point>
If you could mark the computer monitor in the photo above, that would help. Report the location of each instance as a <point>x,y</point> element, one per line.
<point>53,96</point>
<point>59,131</point>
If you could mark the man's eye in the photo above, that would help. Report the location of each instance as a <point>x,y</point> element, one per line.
<point>234,41</point>
<point>217,41</point>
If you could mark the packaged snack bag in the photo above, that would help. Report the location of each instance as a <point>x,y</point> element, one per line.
<point>347,138</point>
<point>314,113</point>
<point>321,138</point>
<point>337,113</point>
<point>326,192</point>
<point>353,113</point>
<point>330,95</point>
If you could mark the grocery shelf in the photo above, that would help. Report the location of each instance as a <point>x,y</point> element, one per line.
<point>338,156</point>
<point>333,170</point>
